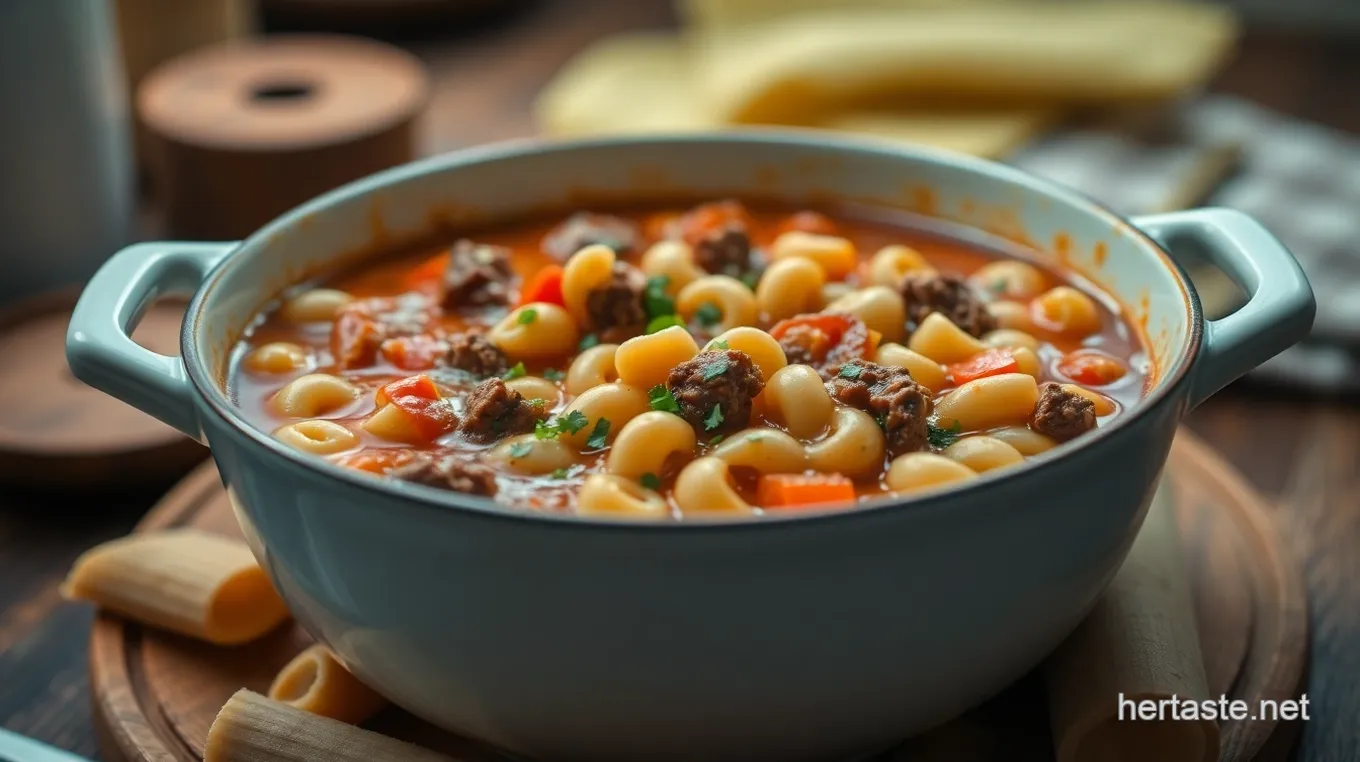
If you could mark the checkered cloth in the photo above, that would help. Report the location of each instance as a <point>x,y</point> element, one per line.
<point>1302,181</point>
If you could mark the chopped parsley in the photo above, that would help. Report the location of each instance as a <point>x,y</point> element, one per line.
<point>997,286</point>
<point>715,441</point>
<point>520,449</point>
<point>516,372</point>
<point>717,344</point>
<point>660,398</point>
<point>553,374</point>
<point>527,316</point>
<point>568,424</point>
<point>715,368</point>
<point>751,279</point>
<point>599,436</point>
<point>559,473</point>
<point>536,402</point>
<point>713,420</point>
<point>654,298</point>
<point>708,314</point>
<point>850,371</point>
<point>651,481</point>
<point>663,322</point>
<point>941,437</point>
<point>588,341</point>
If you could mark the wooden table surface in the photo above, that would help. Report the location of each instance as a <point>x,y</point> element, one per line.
<point>1299,450</point>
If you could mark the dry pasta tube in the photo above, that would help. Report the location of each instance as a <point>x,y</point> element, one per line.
<point>202,585</point>
<point>252,728</point>
<point>315,682</point>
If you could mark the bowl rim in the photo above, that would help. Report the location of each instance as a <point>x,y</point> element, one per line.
<point>214,399</point>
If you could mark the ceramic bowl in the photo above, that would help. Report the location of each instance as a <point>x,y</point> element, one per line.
<point>806,638</point>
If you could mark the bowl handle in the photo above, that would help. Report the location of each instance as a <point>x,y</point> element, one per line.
<point>99,345</point>
<point>1279,309</point>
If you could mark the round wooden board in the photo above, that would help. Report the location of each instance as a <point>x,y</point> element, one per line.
<point>56,432</point>
<point>156,694</point>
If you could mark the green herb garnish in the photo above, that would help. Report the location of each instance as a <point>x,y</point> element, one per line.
<point>651,481</point>
<point>751,280</point>
<point>520,449</point>
<point>537,402</point>
<point>941,438</point>
<point>588,341</point>
<point>553,374</point>
<point>715,368</point>
<point>715,441</point>
<point>714,419</point>
<point>716,344</point>
<point>559,473</point>
<point>997,286</point>
<point>660,398</point>
<point>599,436</point>
<point>851,372</point>
<point>708,314</point>
<point>516,372</point>
<point>663,322</point>
<point>568,424</point>
<point>527,316</point>
<point>654,298</point>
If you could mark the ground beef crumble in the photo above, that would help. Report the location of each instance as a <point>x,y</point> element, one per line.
<point>449,472</point>
<point>583,229</point>
<point>725,381</point>
<point>618,303</point>
<point>899,404</point>
<point>1062,415</point>
<point>493,411</point>
<point>478,275</point>
<point>948,295</point>
<point>473,353</point>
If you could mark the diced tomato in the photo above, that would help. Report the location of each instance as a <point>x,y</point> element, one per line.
<point>546,286</point>
<point>421,386</point>
<point>354,339</point>
<point>1091,368</point>
<point>418,396</point>
<point>845,335</point>
<point>413,352</point>
<point>992,362</point>
<point>706,218</point>
<point>802,490</point>
<point>809,222</point>
<point>376,461</point>
<point>428,275</point>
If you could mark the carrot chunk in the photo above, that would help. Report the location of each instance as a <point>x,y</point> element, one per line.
<point>992,362</point>
<point>801,490</point>
<point>421,386</point>
<point>413,352</point>
<point>428,274</point>
<point>546,286</point>
<point>1091,368</point>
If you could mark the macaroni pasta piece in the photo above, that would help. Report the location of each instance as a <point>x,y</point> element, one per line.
<point>316,682</point>
<point>705,487</point>
<point>197,584</point>
<point>647,442</point>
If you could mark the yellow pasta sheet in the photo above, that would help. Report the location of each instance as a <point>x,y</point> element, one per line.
<point>641,83</point>
<point>801,68</point>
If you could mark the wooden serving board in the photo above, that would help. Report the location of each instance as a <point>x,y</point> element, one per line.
<point>156,694</point>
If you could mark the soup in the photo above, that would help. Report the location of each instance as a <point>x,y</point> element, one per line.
<point>720,360</point>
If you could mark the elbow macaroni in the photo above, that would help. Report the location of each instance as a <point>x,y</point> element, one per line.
<point>836,255</point>
<point>917,471</point>
<point>277,357</point>
<point>761,347</point>
<point>646,361</point>
<point>854,447</point>
<point>315,306</point>
<point>319,437</point>
<point>526,454</point>
<point>989,402</point>
<point>535,388</point>
<point>939,339</point>
<point>1066,310</point>
<point>923,370</point>
<point>586,270</point>
<point>893,263</point>
<point>1009,278</point>
<point>881,308</point>
<point>646,443</point>
<point>550,333</point>
<point>705,487</point>
<point>675,261</point>
<point>617,497</point>
<point>790,287</point>
<point>796,398</point>
<point>314,395</point>
<point>983,453</point>
<point>591,368</point>
<point>733,299</point>
<point>768,451</point>
<point>617,402</point>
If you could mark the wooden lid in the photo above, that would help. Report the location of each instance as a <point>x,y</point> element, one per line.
<point>156,693</point>
<point>55,430</point>
<point>283,93</point>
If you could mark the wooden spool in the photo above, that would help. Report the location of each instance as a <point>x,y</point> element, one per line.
<point>57,433</point>
<point>156,694</point>
<point>244,131</point>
